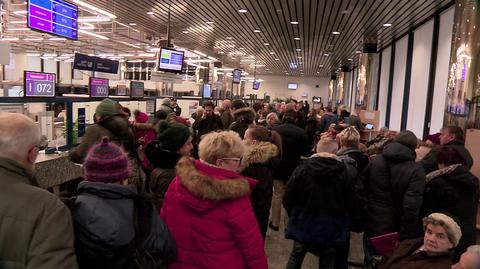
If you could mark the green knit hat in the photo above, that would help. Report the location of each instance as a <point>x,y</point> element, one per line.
<point>172,136</point>
<point>107,108</point>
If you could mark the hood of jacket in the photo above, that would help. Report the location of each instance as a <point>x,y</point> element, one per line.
<point>142,117</point>
<point>118,126</point>
<point>348,151</point>
<point>205,185</point>
<point>261,153</point>
<point>324,166</point>
<point>160,157</point>
<point>104,212</point>
<point>244,115</point>
<point>397,152</point>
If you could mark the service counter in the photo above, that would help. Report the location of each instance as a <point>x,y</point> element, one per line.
<point>52,170</point>
<point>368,135</point>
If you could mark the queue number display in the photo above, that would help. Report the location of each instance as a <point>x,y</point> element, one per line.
<point>39,84</point>
<point>98,87</point>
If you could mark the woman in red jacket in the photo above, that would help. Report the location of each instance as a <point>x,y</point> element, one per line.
<point>208,211</point>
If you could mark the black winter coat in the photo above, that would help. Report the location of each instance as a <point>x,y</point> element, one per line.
<point>242,118</point>
<point>357,155</point>
<point>104,223</point>
<point>320,201</point>
<point>394,186</point>
<point>326,120</point>
<point>294,145</point>
<point>207,125</point>
<point>457,193</point>
<point>258,164</point>
<point>429,162</point>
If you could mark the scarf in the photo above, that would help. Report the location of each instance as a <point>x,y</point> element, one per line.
<point>442,171</point>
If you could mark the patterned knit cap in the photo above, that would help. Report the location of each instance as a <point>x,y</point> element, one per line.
<point>106,162</point>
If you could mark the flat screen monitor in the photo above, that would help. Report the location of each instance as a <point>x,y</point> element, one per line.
<point>170,60</point>
<point>56,17</point>
<point>237,76</point>
<point>292,86</point>
<point>207,91</point>
<point>98,87</point>
<point>316,99</point>
<point>121,90</point>
<point>37,84</point>
<point>256,85</point>
<point>369,126</point>
<point>137,89</point>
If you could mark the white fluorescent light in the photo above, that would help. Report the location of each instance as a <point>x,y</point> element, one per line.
<point>93,34</point>
<point>298,49</point>
<point>257,31</point>
<point>272,52</point>
<point>46,58</point>
<point>258,65</point>
<point>212,58</point>
<point>57,39</point>
<point>224,69</point>
<point>335,33</point>
<point>93,19</point>
<point>387,24</point>
<point>321,66</point>
<point>86,27</point>
<point>146,54</point>
<point>33,39</point>
<point>209,22</point>
<point>128,44</point>
<point>277,59</point>
<point>294,22</point>
<point>3,12</point>
<point>326,54</point>
<point>132,24</point>
<point>266,44</point>
<point>135,61</point>
<point>199,61</point>
<point>242,10</point>
<point>33,54</point>
<point>150,13</point>
<point>9,39</point>
<point>358,51</point>
<point>126,55</point>
<point>18,29</point>
<point>116,57</point>
<point>296,38</point>
<point>350,59</point>
<point>299,57</point>
<point>196,65</point>
<point>18,22</point>
<point>185,32</point>
<point>151,61</point>
<point>200,53</point>
<point>154,49</point>
<point>20,12</point>
<point>50,55</point>
<point>94,8</point>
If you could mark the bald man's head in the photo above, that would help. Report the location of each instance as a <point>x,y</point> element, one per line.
<point>18,137</point>
<point>470,259</point>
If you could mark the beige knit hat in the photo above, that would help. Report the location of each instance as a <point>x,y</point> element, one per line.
<point>451,227</point>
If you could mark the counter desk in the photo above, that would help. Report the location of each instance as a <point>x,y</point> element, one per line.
<point>52,170</point>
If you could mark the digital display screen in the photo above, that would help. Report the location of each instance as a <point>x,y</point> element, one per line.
<point>292,86</point>
<point>55,17</point>
<point>237,76</point>
<point>136,89</point>
<point>98,87</point>
<point>256,85</point>
<point>121,90</point>
<point>170,60</point>
<point>207,90</point>
<point>38,84</point>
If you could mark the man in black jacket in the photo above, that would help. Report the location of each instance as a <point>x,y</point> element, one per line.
<point>453,137</point>
<point>394,186</point>
<point>294,145</point>
<point>321,203</point>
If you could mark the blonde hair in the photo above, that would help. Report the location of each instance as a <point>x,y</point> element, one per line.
<point>327,145</point>
<point>349,137</point>
<point>274,115</point>
<point>215,146</point>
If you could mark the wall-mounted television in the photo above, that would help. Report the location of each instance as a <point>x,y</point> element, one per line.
<point>256,85</point>
<point>292,86</point>
<point>121,90</point>
<point>37,84</point>
<point>56,17</point>
<point>237,76</point>
<point>98,87</point>
<point>137,89</point>
<point>170,60</point>
<point>207,90</point>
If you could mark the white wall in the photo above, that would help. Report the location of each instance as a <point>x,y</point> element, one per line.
<point>422,49</point>
<point>34,63</point>
<point>50,66</point>
<point>276,87</point>
<point>384,80</point>
<point>65,73</point>
<point>398,83</point>
<point>441,73</point>
<point>14,71</point>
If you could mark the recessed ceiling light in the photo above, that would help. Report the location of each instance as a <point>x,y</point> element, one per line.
<point>221,52</point>
<point>298,49</point>
<point>242,10</point>
<point>321,66</point>
<point>387,24</point>
<point>296,38</point>
<point>257,31</point>
<point>326,54</point>
<point>209,22</point>
<point>350,59</point>
<point>229,38</point>
<point>277,59</point>
<point>294,22</point>
<point>335,33</point>
<point>185,32</point>
<point>132,24</point>
<point>272,52</point>
<point>266,44</point>
<point>358,51</point>
<point>150,13</point>
<point>318,72</point>
<point>299,57</point>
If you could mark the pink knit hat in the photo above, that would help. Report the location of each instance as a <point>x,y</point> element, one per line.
<point>106,162</point>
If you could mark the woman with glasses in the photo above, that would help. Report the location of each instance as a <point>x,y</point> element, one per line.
<point>208,211</point>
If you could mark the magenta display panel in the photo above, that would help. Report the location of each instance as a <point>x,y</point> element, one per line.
<point>37,84</point>
<point>98,87</point>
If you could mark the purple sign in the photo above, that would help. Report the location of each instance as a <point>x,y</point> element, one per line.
<point>136,89</point>
<point>53,16</point>
<point>98,87</point>
<point>39,84</point>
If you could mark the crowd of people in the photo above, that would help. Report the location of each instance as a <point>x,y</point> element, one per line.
<point>170,192</point>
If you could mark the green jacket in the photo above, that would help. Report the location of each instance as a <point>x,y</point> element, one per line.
<point>36,229</point>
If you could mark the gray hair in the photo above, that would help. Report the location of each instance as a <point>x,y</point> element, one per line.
<point>327,145</point>
<point>18,134</point>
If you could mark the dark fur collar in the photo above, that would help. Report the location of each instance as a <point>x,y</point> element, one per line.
<point>204,185</point>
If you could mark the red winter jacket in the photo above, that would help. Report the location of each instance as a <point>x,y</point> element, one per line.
<point>208,212</point>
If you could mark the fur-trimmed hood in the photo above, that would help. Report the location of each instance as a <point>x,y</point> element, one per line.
<point>245,114</point>
<point>262,153</point>
<point>207,185</point>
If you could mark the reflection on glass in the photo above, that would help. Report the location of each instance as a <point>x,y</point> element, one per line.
<point>330,92</point>
<point>340,88</point>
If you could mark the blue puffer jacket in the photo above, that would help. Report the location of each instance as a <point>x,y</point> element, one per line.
<point>104,217</point>
<point>320,200</point>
